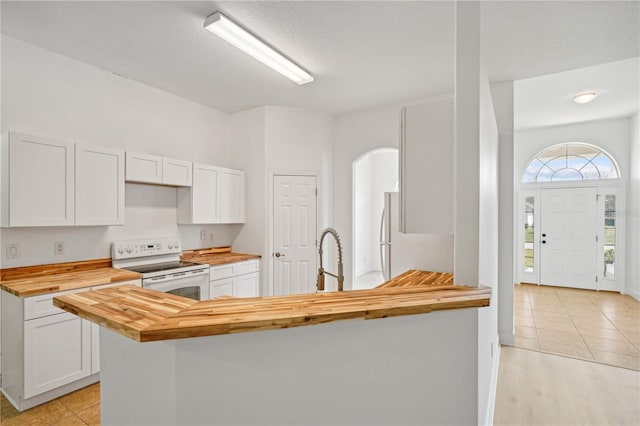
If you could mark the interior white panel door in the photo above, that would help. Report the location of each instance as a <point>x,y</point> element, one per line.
<point>294,234</point>
<point>568,237</point>
<point>99,186</point>
<point>41,181</point>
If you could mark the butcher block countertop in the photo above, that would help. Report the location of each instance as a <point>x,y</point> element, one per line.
<point>42,279</point>
<point>147,315</point>
<point>216,256</point>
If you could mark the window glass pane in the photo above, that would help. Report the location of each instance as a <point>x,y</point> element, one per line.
<point>567,174</point>
<point>528,233</point>
<point>590,172</point>
<point>576,162</point>
<point>553,152</point>
<point>582,150</point>
<point>544,175</point>
<point>606,167</point>
<point>609,236</point>
<point>557,163</point>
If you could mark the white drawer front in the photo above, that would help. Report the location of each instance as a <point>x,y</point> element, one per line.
<point>42,305</point>
<point>247,267</point>
<point>137,283</point>
<point>222,271</point>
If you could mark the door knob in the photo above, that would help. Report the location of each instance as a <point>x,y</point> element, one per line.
<point>278,254</point>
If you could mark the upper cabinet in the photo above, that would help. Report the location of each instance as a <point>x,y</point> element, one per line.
<point>46,182</point>
<point>232,196</point>
<point>426,168</point>
<point>37,181</point>
<point>147,168</point>
<point>217,196</point>
<point>99,185</point>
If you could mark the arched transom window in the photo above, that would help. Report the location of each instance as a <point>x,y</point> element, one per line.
<point>570,161</point>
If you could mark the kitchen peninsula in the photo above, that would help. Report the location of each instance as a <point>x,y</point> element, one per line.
<point>252,361</point>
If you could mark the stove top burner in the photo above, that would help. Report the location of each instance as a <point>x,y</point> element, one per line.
<point>158,267</point>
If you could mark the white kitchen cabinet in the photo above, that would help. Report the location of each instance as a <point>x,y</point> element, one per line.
<point>217,196</point>
<point>199,204</point>
<point>47,352</point>
<point>232,196</point>
<point>176,172</point>
<point>57,351</point>
<point>240,279</point>
<point>143,168</point>
<point>426,168</point>
<point>37,181</point>
<point>154,169</point>
<point>99,185</point>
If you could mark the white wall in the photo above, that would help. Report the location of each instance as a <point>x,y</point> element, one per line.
<point>277,139</point>
<point>633,211</point>
<point>48,94</point>
<point>476,202</point>
<point>502,94</point>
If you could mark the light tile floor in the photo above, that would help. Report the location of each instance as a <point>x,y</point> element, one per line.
<point>596,326</point>
<point>81,407</point>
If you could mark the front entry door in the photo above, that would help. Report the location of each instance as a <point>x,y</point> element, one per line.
<point>294,234</point>
<point>568,237</point>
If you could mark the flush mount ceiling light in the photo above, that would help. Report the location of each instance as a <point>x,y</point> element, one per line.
<point>237,36</point>
<point>584,98</point>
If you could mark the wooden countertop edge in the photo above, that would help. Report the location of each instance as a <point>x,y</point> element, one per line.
<point>269,313</point>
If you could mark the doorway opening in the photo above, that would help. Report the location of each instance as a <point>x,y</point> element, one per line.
<point>374,173</point>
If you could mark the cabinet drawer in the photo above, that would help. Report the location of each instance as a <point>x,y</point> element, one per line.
<point>137,283</point>
<point>42,305</point>
<point>247,267</point>
<point>222,271</point>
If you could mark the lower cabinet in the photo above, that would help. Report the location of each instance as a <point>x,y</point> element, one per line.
<point>57,351</point>
<point>47,352</point>
<point>241,279</point>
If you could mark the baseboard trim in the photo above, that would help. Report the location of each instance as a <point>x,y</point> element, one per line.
<point>494,388</point>
<point>507,339</point>
<point>633,293</point>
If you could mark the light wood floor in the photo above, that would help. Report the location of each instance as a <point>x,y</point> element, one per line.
<point>597,326</point>
<point>536,388</point>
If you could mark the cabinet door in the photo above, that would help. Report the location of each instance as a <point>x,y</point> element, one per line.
<point>222,287</point>
<point>247,285</point>
<point>57,351</point>
<point>232,196</point>
<point>177,172</point>
<point>40,187</point>
<point>99,186</point>
<point>205,193</point>
<point>426,168</point>
<point>143,168</point>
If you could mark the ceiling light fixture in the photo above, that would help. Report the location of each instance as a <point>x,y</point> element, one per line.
<point>237,36</point>
<point>584,98</point>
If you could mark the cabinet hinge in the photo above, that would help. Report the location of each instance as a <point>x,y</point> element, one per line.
<point>596,278</point>
<point>596,238</point>
<point>316,192</point>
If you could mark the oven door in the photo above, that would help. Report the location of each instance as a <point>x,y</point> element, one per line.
<point>191,284</point>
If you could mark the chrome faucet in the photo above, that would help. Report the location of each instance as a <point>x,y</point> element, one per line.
<point>321,270</point>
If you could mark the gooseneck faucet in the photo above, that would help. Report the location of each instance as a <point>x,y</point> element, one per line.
<point>321,270</point>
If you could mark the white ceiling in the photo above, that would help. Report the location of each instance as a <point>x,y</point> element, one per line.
<point>547,100</point>
<point>362,54</point>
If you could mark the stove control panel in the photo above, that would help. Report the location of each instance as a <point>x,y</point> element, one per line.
<point>142,248</point>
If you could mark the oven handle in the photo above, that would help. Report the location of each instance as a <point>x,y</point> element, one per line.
<point>178,275</point>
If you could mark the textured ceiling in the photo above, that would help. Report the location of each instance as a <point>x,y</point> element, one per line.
<point>547,100</point>
<point>362,54</point>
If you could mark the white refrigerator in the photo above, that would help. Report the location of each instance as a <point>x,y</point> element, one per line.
<point>400,252</point>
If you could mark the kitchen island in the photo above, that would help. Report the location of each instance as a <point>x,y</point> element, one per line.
<point>289,359</point>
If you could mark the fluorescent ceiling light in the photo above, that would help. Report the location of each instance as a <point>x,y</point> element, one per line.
<point>585,97</point>
<point>234,34</point>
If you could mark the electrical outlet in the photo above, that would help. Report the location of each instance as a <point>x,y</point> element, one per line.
<point>211,236</point>
<point>203,234</point>
<point>58,248</point>
<point>13,251</point>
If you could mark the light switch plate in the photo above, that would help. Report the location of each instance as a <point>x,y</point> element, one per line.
<point>13,251</point>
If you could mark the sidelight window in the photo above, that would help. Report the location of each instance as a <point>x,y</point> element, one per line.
<point>609,236</point>
<point>528,233</point>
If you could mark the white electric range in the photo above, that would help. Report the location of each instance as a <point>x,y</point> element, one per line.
<point>158,260</point>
